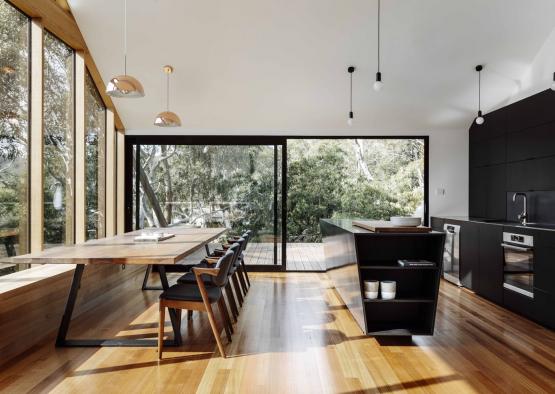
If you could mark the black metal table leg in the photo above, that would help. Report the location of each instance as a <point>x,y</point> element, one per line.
<point>70,304</point>
<point>62,341</point>
<point>174,316</point>
<point>145,280</point>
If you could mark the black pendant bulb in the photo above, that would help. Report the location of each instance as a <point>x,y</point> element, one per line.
<point>479,118</point>
<point>350,70</point>
<point>378,84</point>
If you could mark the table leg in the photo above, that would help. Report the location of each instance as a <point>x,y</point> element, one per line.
<point>174,316</point>
<point>70,304</point>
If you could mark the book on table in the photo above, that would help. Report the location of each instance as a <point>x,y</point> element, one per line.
<point>153,237</point>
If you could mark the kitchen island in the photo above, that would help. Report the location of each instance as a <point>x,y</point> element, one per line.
<point>354,254</point>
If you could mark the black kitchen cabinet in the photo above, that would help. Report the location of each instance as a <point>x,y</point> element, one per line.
<point>490,271</point>
<point>469,255</point>
<point>496,192</point>
<point>544,269</point>
<point>531,143</point>
<point>544,308</point>
<point>477,197</point>
<point>531,175</point>
<point>488,152</point>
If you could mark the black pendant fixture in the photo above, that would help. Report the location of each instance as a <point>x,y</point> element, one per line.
<point>553,84</point>
<point>479,119</point>
<point>350,70</point>
<point>378,85</point>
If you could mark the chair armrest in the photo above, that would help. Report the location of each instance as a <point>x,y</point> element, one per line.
<point>211,260</point>
<point>205,271</point>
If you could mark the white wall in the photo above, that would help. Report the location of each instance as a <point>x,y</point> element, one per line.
<point>448,164</point>
<point>539,75</point>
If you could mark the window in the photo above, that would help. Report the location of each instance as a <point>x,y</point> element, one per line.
<point>95,171</point>
<point>14,134</point>
<point>58,107</point>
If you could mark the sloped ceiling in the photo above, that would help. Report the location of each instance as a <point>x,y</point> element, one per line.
<point>280,65</point>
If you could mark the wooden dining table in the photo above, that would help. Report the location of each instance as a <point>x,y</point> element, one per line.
<point>123,250</point>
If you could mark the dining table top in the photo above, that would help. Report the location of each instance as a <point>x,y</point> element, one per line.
<point>122,249</point>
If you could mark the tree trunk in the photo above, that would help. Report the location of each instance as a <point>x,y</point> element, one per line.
<point>359,152</point>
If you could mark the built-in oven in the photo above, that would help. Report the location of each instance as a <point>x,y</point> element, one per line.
<point>518,263</point>
<point>451,257</point>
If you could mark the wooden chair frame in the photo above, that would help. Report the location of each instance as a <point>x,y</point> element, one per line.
<point>204,306</point>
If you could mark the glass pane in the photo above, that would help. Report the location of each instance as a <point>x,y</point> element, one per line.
<point>95,172</point>
<point>58,104</point>
<point>14,133</point>
<point>213,186</point>
<point>348,178</point>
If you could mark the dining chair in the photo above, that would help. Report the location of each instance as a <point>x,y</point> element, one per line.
<point>209,261</point>
<point>199,297</point>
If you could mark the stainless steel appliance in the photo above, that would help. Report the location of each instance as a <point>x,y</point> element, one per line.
<point>451,255</point>
<point>518,263</point>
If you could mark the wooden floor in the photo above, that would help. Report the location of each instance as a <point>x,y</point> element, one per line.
<point>295,336</point>
<point>300,256</point>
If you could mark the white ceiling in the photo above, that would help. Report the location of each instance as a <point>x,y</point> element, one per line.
<point>280,65</point>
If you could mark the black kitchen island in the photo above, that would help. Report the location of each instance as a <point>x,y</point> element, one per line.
<point>354,255</point>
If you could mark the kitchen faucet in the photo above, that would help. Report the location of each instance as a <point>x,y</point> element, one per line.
<point>523,217</point>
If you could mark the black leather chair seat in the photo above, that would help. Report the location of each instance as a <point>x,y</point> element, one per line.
<point>190,292</point>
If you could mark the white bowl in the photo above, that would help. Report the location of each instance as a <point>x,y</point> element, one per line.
<point>371,294</point>
<point>405,221</point>
<point>388,295</point>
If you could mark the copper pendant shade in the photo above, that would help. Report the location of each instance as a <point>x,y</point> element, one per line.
<point>125,86</point>
<point>167,118</point>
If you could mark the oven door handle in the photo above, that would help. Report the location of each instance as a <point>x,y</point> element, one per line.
<point>517,248</point>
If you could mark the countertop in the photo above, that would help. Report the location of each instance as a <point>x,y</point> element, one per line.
<point>531,226</point>
<point>347,225</point>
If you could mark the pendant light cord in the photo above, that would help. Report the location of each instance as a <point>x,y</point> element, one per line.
<point>167,92</point>
<point>125,37</point>
<point>379,12</point>
<point>479,91</point>
<point>351,96</point>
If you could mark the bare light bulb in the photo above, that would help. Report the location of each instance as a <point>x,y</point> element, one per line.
<point>378,85</point>
<point>350,118</point>
<point>480,120</point>
<point>553,86</point>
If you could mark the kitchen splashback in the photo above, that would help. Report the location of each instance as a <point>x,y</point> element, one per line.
<point>541,207</point>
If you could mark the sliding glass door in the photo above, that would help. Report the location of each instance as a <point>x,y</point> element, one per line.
<point>234,185</point>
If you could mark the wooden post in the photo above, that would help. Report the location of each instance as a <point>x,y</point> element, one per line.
<point>80,173</point>
<point>36,208</point>
<point>111,171</point>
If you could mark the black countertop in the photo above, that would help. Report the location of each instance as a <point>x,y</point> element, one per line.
<point>347,225</point>
<point>531,226</point>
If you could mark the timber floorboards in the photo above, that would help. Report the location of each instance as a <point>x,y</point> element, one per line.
<point>294,335</point>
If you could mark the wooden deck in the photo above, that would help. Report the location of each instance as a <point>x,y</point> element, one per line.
<point>300,256</point>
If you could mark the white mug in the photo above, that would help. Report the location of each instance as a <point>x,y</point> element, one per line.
<point>371,285</point>
<point>388,289</point>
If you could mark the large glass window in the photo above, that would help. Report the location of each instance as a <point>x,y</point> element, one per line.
<point>95,171</point>
<point>58,107</point>
<point>234,186</point>
<point>14,134</point>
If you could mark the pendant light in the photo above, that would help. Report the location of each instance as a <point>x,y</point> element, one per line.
<point>378,85</point>
<point>350,70</point>
<point>553,84</point>
<point>167,118</point>
<point>479,118</point>
<point>125,85</point>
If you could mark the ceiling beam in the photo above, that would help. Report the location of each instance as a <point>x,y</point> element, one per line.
<point>62,24</point>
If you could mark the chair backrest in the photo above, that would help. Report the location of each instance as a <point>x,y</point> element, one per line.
<point>242,245</point>
<point>224,264</point>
